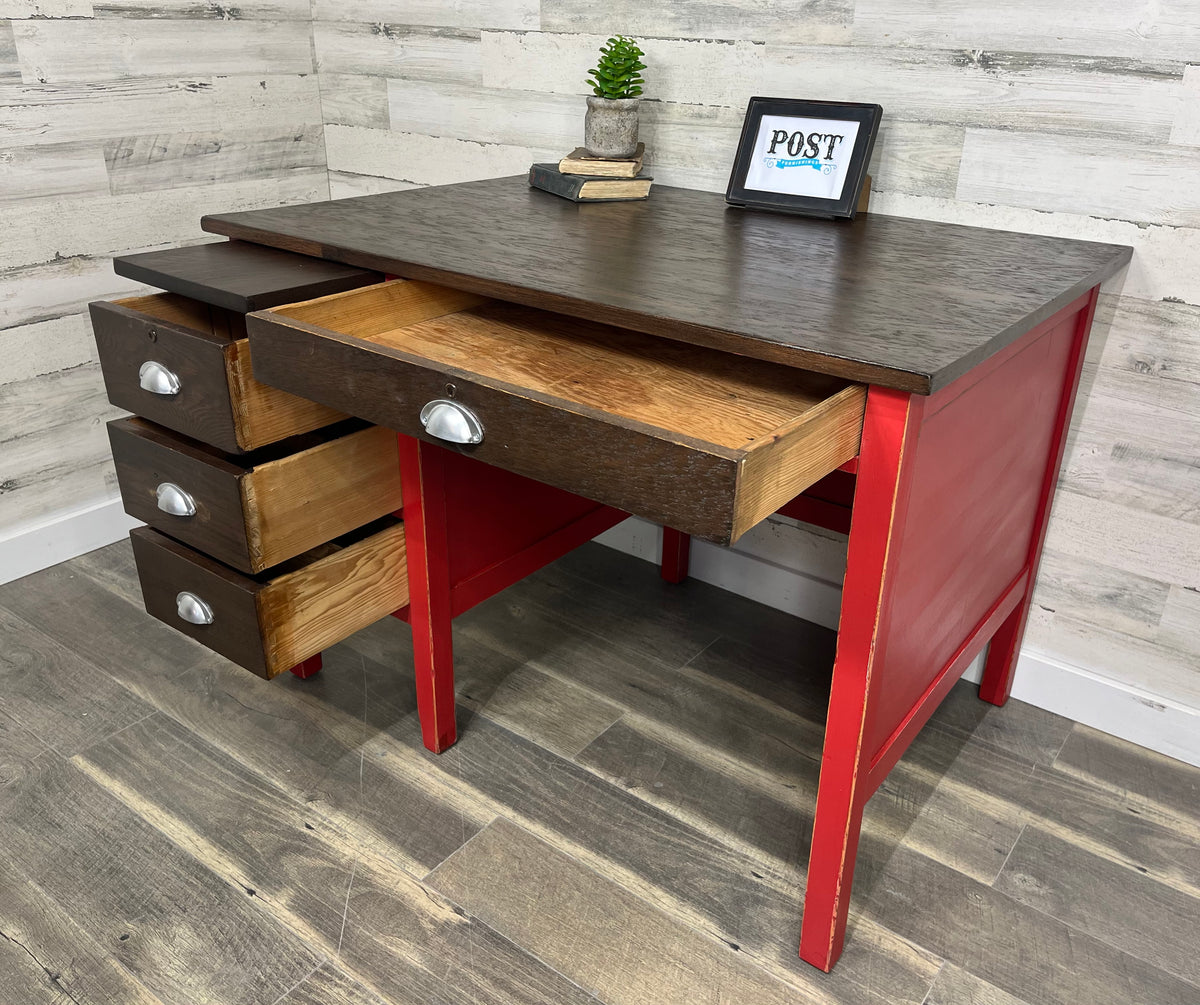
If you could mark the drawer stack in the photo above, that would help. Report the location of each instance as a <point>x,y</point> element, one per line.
<point>271,532</point>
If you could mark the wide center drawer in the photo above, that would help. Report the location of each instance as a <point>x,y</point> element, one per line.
<point>255,510</point>
<point>186,365</point>
<point>700,440</point>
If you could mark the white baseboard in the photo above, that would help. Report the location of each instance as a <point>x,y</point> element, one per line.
<point>37,545</point>
<point>776,586</point>
<point>1111,706</point>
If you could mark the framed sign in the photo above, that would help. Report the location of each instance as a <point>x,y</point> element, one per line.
<point>807,157</point>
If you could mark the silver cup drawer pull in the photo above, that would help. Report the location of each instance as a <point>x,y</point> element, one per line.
<point>157,379</point>
<point>174,500</point>
<point>192,609</point>
<point>452,422</point>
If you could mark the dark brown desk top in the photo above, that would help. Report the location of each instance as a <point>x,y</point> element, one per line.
<point>902,303</point>
<point>241,277</point>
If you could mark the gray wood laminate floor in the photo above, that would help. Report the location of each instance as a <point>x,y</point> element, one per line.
<point>624,819</point>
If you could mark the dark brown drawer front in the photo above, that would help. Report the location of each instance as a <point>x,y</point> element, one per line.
<point>269,623</point>
<point>186,365</point>
<point>128,339</point>
<point>191,476</point>
<point>253,511</point>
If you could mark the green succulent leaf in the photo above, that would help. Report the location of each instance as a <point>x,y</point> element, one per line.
<point>616,73</point>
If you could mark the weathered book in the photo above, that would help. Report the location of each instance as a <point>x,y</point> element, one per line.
<point>579,161</point>
<point>585,188</point>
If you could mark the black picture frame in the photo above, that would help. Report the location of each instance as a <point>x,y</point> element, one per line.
<point>867,117</point>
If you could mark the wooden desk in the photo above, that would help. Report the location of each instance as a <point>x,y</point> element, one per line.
<point>934,365</point>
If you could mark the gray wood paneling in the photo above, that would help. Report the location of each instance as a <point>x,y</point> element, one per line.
<point>1125,31</point>
<point>387,50</point>
<point>1124,181</point>
<point>99,111</point>
<point>77,51</point>
<point>8,53</point>
<point>515,15</point>
<point>183,160</point>
<point>813,21</point>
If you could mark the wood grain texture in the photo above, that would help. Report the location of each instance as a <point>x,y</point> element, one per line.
<point>730,439</point>
<point>960,85</point>
<point>1115,30</point>
<point>426,160</point>
<point>864,325</point>
<point>47,956</point>
<point>263,414</point>
<point>9,68</point>
<point>791,21</point>
<point>354,100</point>
<point>128,336</point>
<point>145,456</point>
<point>34,114</point>
<point>53,444</point>
<point>382,49</point>
<point>58,696</point>
<point>75,51</point>
<point>542,898</point>
<point>117,224</point>
<point>313,806</point>
<point>269,623</point>
<point>319,493</point>
<point>1062,880</point>
<point>149,162</point>
<point>256,510</point>
<point>1186,127</point>
<point>103,860</point>
<point>1114,180</point>
<point>313,876</point>
<point>50,170</point>
<point>305,611</point>
<point>240,277</point>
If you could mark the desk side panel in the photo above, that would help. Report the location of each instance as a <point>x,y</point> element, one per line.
<point>980,464</point>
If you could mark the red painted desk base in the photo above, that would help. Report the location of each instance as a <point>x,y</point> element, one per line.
<point>946,508</point>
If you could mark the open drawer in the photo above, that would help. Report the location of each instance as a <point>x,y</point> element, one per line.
<point>255,510</point>
<point>269,623</point>
<point>700,440</point>
<point>186,365</point>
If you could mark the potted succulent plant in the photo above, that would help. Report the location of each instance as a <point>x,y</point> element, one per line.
<point>611,126</point>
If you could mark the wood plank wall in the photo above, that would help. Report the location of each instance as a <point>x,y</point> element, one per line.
<point>1079,118</point>
<point>120,124</point>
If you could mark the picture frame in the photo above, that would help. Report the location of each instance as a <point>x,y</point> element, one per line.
<point>784,139</point>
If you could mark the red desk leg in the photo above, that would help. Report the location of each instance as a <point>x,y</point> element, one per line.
<point>998,671</point>
<point>308,667</point>
<point>422,484</point>
<point>884,476</point>
<point>676,550</point>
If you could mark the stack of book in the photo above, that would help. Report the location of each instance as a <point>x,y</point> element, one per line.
<point>581,177</point>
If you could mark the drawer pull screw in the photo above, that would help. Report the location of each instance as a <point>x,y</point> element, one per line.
<point>452,422</point>
<point>192,609</point>
<point>174,500</point>
<point>157,379</point>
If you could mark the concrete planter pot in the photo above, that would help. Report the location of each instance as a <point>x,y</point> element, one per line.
<point>610,128</point>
